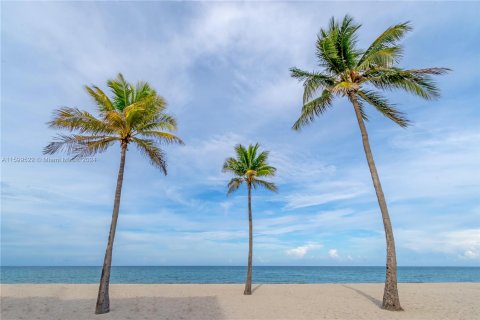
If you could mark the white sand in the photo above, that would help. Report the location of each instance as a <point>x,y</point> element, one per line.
<point>191,301</point>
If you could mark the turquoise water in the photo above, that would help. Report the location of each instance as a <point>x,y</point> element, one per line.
<point>236,274</point>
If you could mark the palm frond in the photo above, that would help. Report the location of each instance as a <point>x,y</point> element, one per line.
<point>335,46</point>
<point>264,184</point>
<point>116,120</point>
<point>150,149</point>
<point>346,42</point>
<point>122,92</point>
<point>381,104</point>
<point>327,53</point>
<point>160,121</point>
<point>384,50</point>
<point>417,83</point>
<point>73,119</point>
<point>312,82</point>
<point>141,91</point>
<point>242,155</point>
<point>103,101</point>
<point>266,171</point>
<point>384,57</point>
<point>234,184</point>
<point>79,146</point>
<point>252,155</point>
<point>161,136</point>
<point>234,166</point>
<point>140,111</point>
<point>259,160</point>
<point>313,108</point>
<point>432,71</point>
<point>94,146</point>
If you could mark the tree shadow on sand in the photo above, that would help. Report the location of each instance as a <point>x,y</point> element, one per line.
<point>256,287</point>
<point>375,301</point>
<point>145,308</point>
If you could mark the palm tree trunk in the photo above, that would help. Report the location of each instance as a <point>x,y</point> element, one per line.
<point>103,299</point>
<point>391,301</point>
<point>248,283</point>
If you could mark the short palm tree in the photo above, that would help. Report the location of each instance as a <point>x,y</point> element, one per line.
<point>355,73</point>
<point>249,166</point>
<point>134,114</point>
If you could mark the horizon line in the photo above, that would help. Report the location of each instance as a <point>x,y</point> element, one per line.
<point>267,266</point>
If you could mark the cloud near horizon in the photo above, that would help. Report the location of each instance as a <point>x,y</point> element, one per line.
<point>301,251</point>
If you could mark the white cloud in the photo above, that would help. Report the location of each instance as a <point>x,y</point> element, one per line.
<point>300,252</point>
<point>471,254</point>
<point>462,243</point>
<point>333,253</point>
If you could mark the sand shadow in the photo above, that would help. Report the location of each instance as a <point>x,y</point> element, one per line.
<point>256,287</point>
<point>145,308</point>
<point>375,301</point>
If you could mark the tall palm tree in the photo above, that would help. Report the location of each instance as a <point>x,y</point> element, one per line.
<point>134,114</point>
<point>248,166</point>
<point>354,73</point>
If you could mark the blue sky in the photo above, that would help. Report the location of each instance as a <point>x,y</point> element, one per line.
<point>223,68</point>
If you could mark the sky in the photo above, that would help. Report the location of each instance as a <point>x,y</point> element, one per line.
<point>224,70</point>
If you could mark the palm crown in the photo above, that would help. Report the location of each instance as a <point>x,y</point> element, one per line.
<point>350,70</point>
<point>134,114</point>
<point>248,166</point>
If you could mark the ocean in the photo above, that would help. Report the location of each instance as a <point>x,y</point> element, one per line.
<point>261,274</point>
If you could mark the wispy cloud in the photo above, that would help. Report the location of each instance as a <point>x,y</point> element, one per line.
<point>297,201</point>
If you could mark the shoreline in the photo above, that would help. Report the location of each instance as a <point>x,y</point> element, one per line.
<point>226,301</point>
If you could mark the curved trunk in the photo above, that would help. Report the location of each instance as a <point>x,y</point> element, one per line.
<point>248,283</point>
<point>391,300</point>
<point>103,299</point>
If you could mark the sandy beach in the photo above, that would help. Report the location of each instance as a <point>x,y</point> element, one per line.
<point>226,301</point>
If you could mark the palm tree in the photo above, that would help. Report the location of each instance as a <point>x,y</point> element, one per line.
<point>355,73</point>
<point>134,114</point>
<point>247,167</point>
